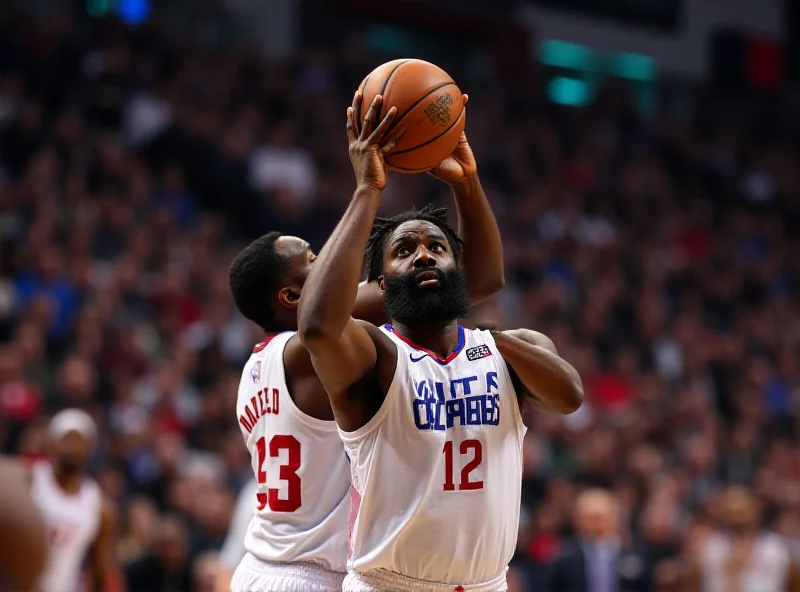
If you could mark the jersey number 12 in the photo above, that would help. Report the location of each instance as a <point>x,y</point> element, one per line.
<point>288,473</point>
<point>466,447</point>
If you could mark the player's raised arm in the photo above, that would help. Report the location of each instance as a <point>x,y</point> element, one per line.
<point>548,380</point>
<point>342,350</point>
<point>482,250</point>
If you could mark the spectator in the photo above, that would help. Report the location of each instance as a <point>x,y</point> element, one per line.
<point>600,559</point>
<point>742,557</point>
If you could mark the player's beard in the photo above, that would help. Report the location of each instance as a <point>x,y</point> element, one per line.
<point>69,466</point>
<point>409,303</point>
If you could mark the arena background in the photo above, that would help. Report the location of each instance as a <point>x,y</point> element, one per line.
<point>641,158</point>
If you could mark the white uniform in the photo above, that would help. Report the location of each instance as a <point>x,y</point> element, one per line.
<point>297,539</point>
<point>437,473</point>
<point>766,571</point>
<point>73,522</point>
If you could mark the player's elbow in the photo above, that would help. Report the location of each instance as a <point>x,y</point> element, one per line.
<point>571,397</point>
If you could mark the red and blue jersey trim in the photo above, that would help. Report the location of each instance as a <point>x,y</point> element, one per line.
<point>462,340</point>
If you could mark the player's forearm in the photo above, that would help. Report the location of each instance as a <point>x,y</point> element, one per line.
<point>548,377</point>
<point>482,257</point>
<point>330,290</point>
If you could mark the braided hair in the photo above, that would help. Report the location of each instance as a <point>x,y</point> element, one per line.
<point>383,227</point>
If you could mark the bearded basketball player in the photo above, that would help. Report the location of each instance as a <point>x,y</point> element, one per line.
<point>429,412</point>
<point>297,538</point>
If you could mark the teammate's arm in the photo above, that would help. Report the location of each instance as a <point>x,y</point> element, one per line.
<point>103,566</point>
<point>343,351</point>
<point>547,380</point>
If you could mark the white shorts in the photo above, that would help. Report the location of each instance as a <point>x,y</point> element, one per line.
<point>254,575</point>
<point>381,580</point>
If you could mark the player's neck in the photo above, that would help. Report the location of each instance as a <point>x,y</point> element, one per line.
<point>440,338</point>
<point>69,482</point>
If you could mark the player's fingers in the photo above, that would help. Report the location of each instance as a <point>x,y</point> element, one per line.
<point>356,106</point>
<point>394,135</point>
<point>372,114</point>
<point>377,135</point>
<point>351,129</point>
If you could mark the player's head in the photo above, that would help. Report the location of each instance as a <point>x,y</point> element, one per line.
<point>266,279</point>
<point>415,257</point>
<point>740,510</point>
<point>73,433</point>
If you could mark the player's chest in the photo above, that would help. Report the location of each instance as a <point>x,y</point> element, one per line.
<point>441,398</point>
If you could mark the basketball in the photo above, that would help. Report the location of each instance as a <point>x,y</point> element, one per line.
<point>430,112</point>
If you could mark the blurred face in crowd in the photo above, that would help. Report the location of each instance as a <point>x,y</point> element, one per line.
<point>71,453</point>
<point>171,544</point>
<point>597,515</point>
<point>739,509</point>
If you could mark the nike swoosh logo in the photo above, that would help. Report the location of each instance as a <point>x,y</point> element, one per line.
<point>422,357</point>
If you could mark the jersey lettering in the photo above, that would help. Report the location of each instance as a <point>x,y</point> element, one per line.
<point>267,401</point>
<point>463,401</point>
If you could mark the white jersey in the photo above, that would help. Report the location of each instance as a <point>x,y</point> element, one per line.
<point>73,522</point>
<point>766,571</point>
<point>438,470</point>
<point>303,479</point>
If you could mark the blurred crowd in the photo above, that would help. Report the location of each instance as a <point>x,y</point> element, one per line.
<point>656,252</point>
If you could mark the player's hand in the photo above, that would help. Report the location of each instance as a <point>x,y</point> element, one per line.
<point>460,165</point>
<point>368,147</point>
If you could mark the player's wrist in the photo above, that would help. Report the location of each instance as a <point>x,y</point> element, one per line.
<point>467,186</point>
<point>368,190</point>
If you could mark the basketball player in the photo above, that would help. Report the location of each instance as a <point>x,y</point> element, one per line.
<point>297,540</point>
<point>742,557</point>
<point>428,410</point>
<point>80,521</point>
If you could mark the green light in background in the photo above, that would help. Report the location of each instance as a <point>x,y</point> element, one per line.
<point>563,54</point>
<point>98,8</point>
<point>389,39</point>
<point>634,66</point>
<point>569,91</point>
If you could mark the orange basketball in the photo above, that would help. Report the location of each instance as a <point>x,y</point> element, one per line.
<point>430,112</point>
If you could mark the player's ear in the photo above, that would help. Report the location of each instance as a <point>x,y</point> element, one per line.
<point>381,284</point>
<point>289,297</point>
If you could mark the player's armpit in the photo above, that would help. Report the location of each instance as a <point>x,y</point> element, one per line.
<point>549,380</point>
<point>347,367</point>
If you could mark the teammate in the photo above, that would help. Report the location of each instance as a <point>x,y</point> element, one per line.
<point>429,411</point>
<point>79,520</point>
<point>297,540</point>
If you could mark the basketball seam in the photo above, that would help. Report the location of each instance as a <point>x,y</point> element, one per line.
<point>398,119</point>
<point>428,141</point>
<point>381,115</point>
<point>399,168</point>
